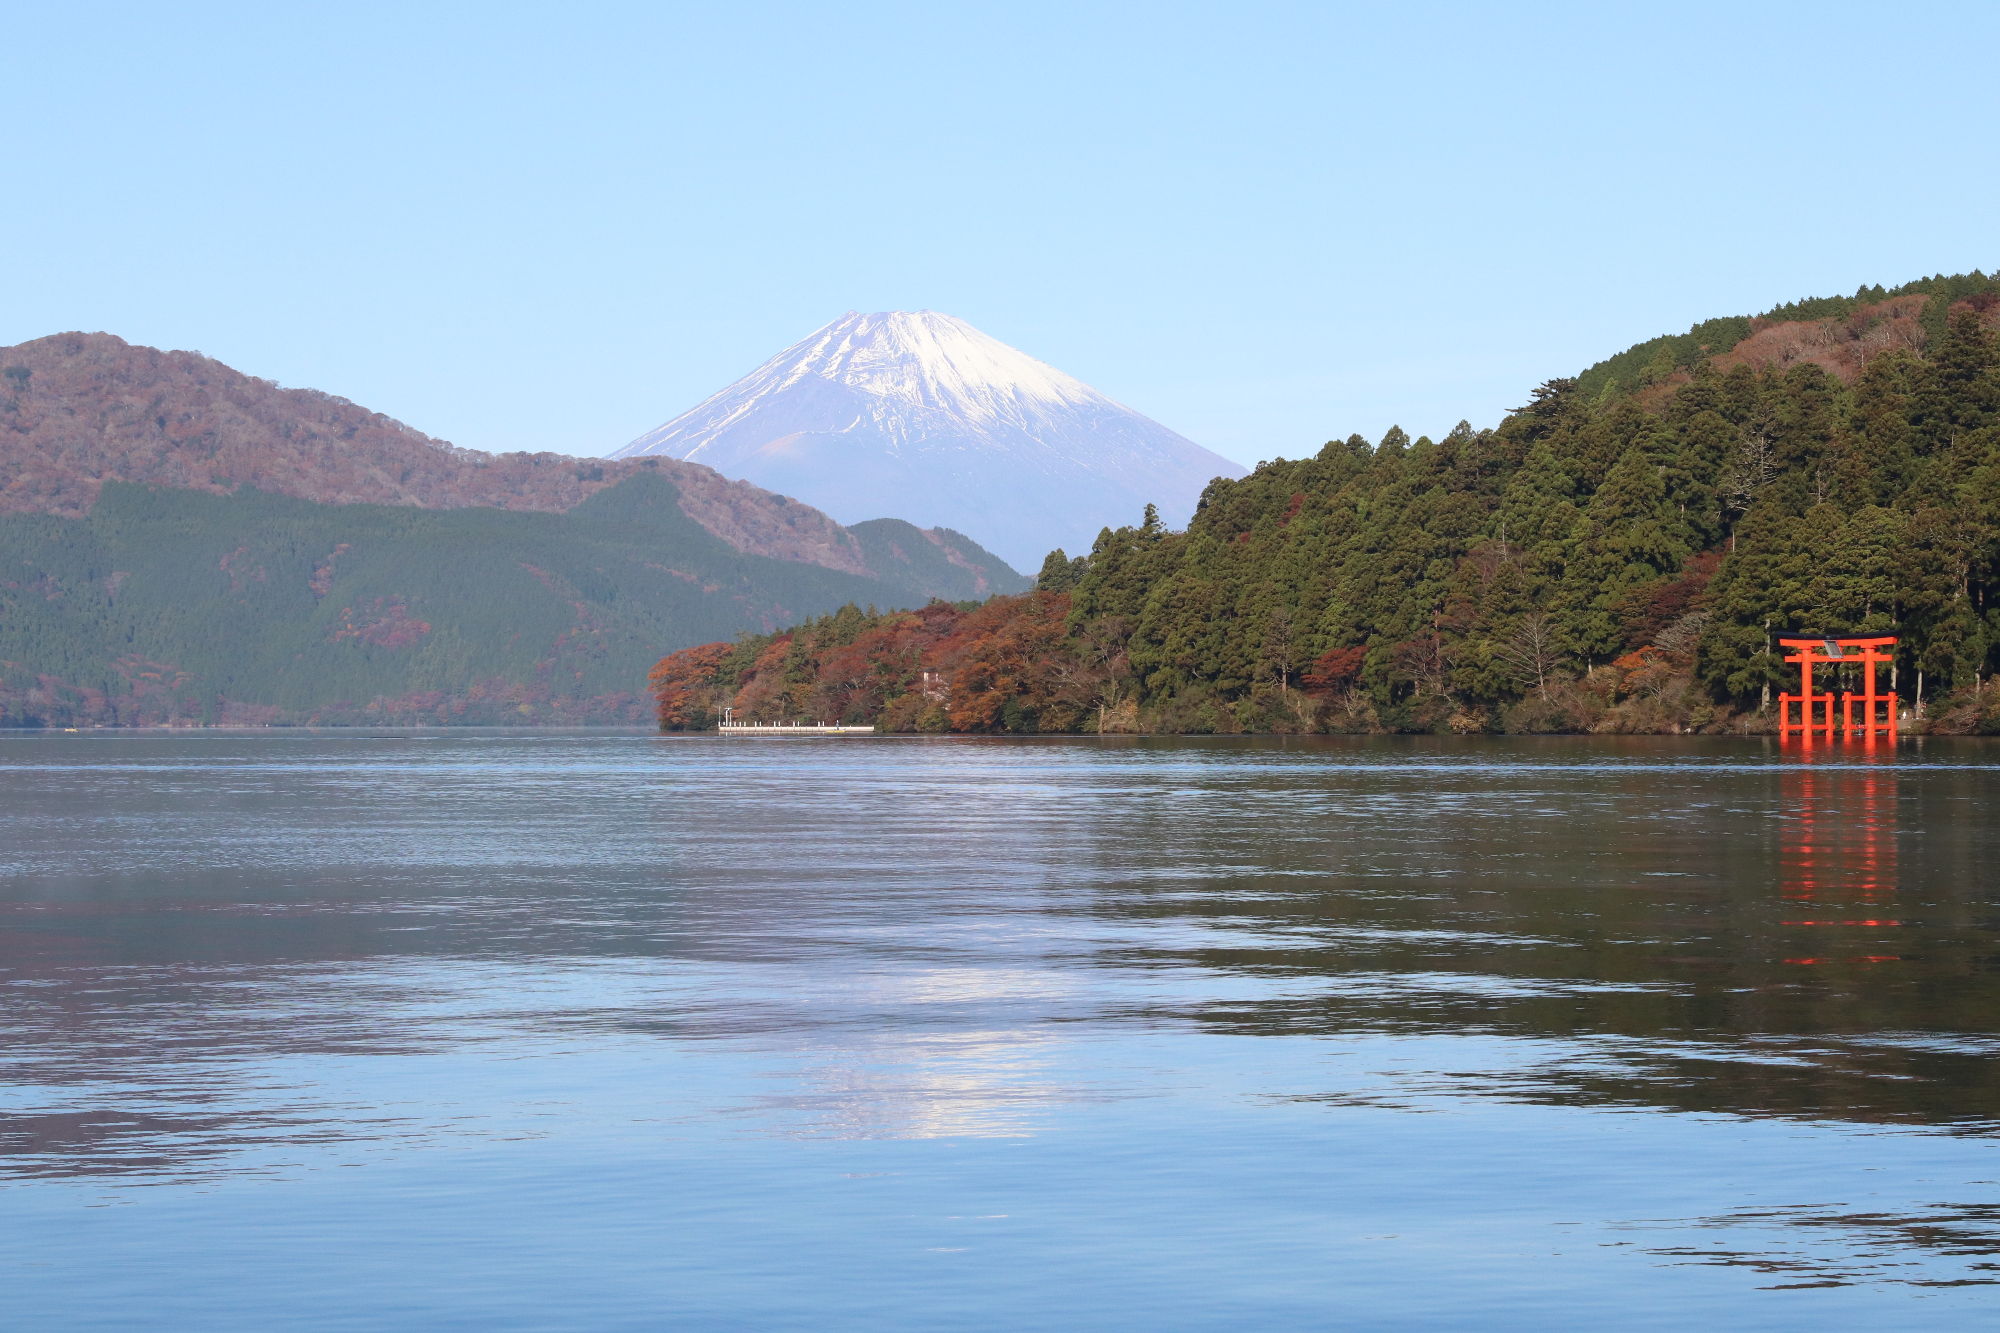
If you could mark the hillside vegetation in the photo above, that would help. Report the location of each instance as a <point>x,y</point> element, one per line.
<point>78,410</point>
<point>183,543</point>
<point>171,605</point>
<point>1620,554</point>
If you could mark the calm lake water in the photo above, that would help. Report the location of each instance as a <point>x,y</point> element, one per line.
<point>511,1031</point>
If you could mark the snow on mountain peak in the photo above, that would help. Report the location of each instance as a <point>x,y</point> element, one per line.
<point>919,415</point>
<point>937,361</point>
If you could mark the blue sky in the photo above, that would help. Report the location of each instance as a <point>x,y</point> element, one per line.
<point>554,226</point>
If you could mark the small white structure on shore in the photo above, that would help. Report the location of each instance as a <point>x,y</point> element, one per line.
<point>729,726</point>
<point>790,729</point>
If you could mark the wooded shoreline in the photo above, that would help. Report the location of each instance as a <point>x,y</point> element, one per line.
<point>1620,555</point>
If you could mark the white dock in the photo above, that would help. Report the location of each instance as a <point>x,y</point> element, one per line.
<point>791,729</point>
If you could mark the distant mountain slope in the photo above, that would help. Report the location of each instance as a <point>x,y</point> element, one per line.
<point>922,415</point>
<point>182,542</point>
<point>80,409</point>
<point>167,604</point>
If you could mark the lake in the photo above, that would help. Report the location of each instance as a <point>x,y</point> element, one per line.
<point>495,1030</point>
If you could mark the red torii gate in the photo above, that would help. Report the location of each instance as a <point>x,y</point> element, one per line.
<point>1815,711</point>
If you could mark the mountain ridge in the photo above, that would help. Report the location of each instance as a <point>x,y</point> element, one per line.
<point>1875,318</point>
<point>80,409</point>
<point>969,433</point>
<point>180,542</point>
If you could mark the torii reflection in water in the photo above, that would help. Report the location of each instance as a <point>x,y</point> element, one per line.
<point>1837,846</point>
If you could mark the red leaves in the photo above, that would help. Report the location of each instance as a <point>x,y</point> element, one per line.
<point>675,678</point>
<point>321,581</point>
<point>385,623</point>
<point>1005,664</point>
<point>1648,609</point>
<point>1008,650</point>
<point>1332,670</point>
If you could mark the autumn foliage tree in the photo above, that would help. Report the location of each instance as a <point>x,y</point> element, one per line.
<point>679,684</point>
<point>1332,669</point>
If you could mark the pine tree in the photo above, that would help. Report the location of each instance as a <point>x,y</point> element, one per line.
<point>1630,536</point>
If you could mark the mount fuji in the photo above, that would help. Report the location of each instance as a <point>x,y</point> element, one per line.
<point>921,416</point>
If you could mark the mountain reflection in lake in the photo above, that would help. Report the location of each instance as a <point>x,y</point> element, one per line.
<point>550,1030</point>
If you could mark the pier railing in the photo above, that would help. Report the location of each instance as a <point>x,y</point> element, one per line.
<point>792,729</point>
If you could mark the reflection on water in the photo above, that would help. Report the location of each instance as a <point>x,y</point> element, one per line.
<point>1838,862</point>
<point>1806,1246</point>
<point>1212,984</point>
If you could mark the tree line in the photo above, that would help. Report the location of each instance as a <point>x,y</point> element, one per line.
<point>1621,558</point>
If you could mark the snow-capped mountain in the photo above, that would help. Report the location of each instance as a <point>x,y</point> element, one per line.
<point>920,416</point>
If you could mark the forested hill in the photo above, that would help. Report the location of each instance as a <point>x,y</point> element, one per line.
<point>182,543</point>
<point>1616,557</point>
<point>1837,333</point>
<point>168,605</point>
<point>80,409</point>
